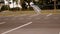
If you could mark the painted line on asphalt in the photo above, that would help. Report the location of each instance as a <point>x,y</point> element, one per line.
<point>49,14</point>
<point>16,28</point>
<point>2,22</point>
<point>59,32</point>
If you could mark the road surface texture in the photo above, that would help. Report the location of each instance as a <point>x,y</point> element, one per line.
<point>40,24</point>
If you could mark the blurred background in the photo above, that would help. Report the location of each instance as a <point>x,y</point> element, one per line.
<point>46,6</point>
<point>43,4</point>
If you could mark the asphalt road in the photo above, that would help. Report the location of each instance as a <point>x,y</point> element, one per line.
<point>40,24</point>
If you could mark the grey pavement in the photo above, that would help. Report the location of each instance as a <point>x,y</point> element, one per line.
<point>41,24</point>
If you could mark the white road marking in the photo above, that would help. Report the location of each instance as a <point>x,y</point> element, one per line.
<point>49,15</point>
<point>2,22</point>
<point>59,32</point>
<point>34,15</point>
<point>16,28</point>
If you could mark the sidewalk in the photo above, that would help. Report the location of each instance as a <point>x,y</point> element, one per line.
<point>18,13</point>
